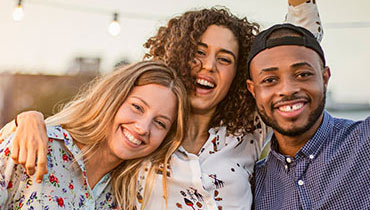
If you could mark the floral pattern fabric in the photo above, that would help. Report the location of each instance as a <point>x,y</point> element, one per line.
<point>64,187</point>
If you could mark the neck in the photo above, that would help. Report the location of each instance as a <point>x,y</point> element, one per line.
<point>99,164</point>
<point>290,145</point>
<point>197,133</point>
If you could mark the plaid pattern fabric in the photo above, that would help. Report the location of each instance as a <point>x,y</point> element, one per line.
<point>331,171</point>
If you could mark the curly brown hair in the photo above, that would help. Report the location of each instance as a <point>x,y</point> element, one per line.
<point>177,43</point>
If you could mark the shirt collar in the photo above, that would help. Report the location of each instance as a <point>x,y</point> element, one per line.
<point>313,146</point>
<point>58,133</point>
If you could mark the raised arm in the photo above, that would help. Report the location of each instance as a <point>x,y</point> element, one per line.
<point>30,142</point>
<point>306,14</point>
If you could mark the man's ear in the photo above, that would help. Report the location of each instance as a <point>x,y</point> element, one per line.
<point>250,86</point>
<point>326,76</point>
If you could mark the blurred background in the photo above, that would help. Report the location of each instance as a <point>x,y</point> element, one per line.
<point>49,48</point>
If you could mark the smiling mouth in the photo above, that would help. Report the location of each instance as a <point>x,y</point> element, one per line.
<point>291,108</point>
<point>131,138</point>
<point>204,84</point>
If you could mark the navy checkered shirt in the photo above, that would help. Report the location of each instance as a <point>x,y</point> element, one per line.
<point>331,171</point>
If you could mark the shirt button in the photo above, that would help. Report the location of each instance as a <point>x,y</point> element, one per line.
<point>288,160</point>
<point>286,167</point>
<point>311,157</point>
<point>300,182</point>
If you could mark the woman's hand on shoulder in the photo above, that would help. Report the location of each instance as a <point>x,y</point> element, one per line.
<point>30,143</point>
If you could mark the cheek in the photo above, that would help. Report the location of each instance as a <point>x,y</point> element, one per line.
<point>228,75</point>
<point>315,89</point>
<point>125,115</point>
<point>157,138</point>
<point>195,66</point>
<point>121,112</point>
<point>319,94</point>
<point>262,96</point>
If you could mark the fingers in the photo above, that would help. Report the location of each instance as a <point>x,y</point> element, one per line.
<point>31,159</point>
<point>42,167</point>
<point>15,151</point>
<point>22,156</point>
<point>30,142</point>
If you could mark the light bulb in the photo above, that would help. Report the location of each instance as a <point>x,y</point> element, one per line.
<point>18,13</point>
<point>114,28</point>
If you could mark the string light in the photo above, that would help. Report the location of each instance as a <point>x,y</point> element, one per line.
<point>114,28</point>
<point>18,12</point>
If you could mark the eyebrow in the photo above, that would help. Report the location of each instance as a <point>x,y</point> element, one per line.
<point>269,69</point>
<point>300,64</point>
<point>222,49</point>
<point>163,116</point>
<point>295,65</point>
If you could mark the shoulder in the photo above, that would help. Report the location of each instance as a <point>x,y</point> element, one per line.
<point>57,132</point>
<point>348,129</point>
<point>348,138</point>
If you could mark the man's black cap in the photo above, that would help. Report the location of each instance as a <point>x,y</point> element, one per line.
<point>307,39</point>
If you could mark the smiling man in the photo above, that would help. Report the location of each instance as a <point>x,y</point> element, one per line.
<point>316,161</point>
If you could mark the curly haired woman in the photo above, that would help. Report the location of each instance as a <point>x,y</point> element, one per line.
<point>212,168</point>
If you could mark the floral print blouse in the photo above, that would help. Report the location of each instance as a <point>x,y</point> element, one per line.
<point>64,187</point>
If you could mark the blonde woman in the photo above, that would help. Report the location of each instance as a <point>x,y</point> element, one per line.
<point>99,141</point>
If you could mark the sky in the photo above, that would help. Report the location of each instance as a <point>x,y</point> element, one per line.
<point>54,32</point>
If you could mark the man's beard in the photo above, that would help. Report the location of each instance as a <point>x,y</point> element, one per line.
<point>312,119</point>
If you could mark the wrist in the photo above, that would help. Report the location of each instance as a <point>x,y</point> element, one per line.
<point>29,116</point>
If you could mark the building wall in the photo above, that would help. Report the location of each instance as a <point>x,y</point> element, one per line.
<point>44,93</point>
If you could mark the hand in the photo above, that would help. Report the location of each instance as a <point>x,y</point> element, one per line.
<point>30,141</point>
<point>295,2</point>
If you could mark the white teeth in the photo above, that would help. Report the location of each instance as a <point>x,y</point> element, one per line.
<point>205,83</point>
<point>131,138</point>
<point>289,108</point>
<point>297,106</point>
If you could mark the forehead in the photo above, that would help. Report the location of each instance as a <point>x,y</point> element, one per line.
<point>220,37</point>
<point>284,56</point>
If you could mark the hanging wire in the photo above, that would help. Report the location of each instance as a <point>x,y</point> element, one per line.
<point>95,10</point>
<point>143,16</point>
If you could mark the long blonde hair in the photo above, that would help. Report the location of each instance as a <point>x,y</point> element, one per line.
<point>89,117</point>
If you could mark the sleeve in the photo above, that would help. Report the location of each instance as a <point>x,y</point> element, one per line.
<point>264,137</point>
<point>8,170</point>
<point>306,15</point>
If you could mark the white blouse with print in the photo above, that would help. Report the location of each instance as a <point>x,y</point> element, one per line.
<point>218,177</point>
